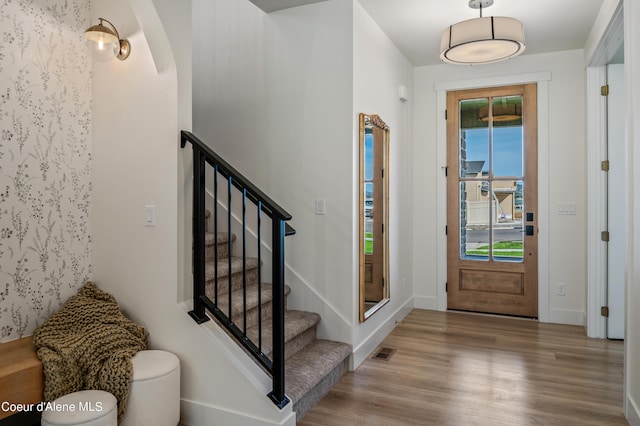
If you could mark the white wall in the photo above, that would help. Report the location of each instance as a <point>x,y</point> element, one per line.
<point>278,95</point>
<point>136,123</point>
<point>273,96</point>
<point>632,339</point>
<point>378,69</point>
<point>565,170</point>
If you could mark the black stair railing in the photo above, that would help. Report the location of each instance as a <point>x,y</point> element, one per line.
<point>203,156</point>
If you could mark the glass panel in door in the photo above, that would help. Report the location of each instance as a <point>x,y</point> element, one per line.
<point>507,170</point>
<point>491,179</point>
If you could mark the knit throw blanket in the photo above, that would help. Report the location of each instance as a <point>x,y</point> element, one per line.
<point>88,344</point>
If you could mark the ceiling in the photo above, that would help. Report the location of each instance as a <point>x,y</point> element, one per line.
<point>415,26</point>
<point>273,5</point>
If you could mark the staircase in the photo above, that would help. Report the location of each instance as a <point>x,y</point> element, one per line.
<point>229,287</point>
<point>312,365</point>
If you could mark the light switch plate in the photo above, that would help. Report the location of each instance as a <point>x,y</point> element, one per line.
<point>321,206</point>
<point>567,209</point>
<point>150,215</point>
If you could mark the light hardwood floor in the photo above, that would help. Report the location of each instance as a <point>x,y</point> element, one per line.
<point>463,369</point>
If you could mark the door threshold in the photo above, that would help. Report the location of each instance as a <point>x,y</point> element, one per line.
<point>488,314</point>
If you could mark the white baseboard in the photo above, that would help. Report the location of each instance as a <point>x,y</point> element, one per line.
<point>379,334</point>
<point>426,302</point>
<point>632,414</point>
<point>194,413</point>
<point>564,316</point>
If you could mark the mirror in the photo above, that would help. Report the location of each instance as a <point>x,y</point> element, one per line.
<point>374,214</point>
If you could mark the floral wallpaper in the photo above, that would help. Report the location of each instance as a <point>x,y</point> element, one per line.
<point>45,159</point>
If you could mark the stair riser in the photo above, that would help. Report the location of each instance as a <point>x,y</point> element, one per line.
<point>223,251</point>
<point>296,344</point>
<point>236,282</point>
<point>252,314</point>
<point>303,405</point>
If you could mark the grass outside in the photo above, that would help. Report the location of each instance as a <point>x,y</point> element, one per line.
<point>502,249</point>
<point>368,243</point>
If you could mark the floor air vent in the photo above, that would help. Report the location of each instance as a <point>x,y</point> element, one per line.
<point>384,354</point>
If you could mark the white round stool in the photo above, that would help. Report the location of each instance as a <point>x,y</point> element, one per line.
<point>154,397</point>
<point>86,408</point>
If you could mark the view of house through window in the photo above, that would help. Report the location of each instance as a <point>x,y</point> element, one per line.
<point>368,192</point>
<point>491,185</point>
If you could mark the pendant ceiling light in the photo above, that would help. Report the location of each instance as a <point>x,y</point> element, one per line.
<point>482,40</point>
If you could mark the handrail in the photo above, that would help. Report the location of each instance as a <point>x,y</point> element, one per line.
<point>239,180</point>
<point>203,155</point>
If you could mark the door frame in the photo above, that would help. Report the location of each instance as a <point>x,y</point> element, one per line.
<point>596,140</point>
<point>542,79</point>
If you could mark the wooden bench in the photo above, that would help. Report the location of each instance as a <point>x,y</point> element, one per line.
<point>21,376</point>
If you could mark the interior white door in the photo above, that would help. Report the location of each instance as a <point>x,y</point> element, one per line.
<point>617,201</point>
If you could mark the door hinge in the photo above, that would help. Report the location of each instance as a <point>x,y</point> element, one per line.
<point>604,90</point>
<point>446,287</point>
<point>604,311</point>
<point>382,170</point>
<point>605,236</point>
<point>446,116</point>
<point>382,228</point>
<point>446,171</point>
<point>604,165</point>
<point>446,230</point>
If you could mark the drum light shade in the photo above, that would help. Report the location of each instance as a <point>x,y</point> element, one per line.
<point>482,40</point>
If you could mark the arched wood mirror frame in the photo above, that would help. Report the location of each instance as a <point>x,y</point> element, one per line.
<point>373,214</point>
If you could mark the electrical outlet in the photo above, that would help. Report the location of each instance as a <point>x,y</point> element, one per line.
<point>562,289</point>
<point>321,206</point>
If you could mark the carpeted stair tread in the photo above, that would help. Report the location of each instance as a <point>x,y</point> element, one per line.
<point>222,238</point>
<point>223,267</point>
<point>219,242</point>
<point>305,369</point>
<point>237,301</point>
<point>296,323</point>
<point>312,366</point>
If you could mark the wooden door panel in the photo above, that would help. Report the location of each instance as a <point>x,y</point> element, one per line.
<point>373,288</point>
<point>491,282</point>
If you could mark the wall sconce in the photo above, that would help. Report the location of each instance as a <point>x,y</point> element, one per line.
<point>107,39</point>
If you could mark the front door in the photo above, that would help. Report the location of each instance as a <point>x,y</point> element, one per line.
<point>492,216</point>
